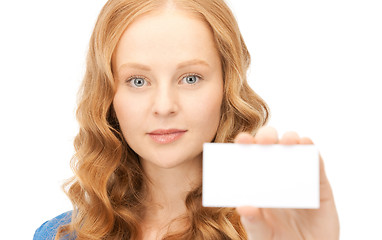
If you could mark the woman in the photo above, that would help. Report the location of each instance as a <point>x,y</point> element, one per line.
<point>162,78</point>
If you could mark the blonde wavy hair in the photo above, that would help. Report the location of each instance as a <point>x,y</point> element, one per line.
<point>108,187</point>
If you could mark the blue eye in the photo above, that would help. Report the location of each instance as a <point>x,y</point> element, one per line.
<point>191,79</point>
<point>137,82</point>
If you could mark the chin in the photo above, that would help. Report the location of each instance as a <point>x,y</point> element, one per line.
<point>169,162</point>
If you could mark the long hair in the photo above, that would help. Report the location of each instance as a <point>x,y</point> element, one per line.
<point>108,187</point>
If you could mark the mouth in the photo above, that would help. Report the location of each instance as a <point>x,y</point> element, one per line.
<point>165,136</point>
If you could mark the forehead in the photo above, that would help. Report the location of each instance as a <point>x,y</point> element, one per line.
<point>166,36</point>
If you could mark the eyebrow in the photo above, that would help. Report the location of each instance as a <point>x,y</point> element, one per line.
<point>179,66</point>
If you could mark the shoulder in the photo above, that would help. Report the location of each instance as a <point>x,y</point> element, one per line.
<point>48,230</point>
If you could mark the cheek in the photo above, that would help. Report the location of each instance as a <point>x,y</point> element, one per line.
<point>206,110</point>
<point>128,113</point>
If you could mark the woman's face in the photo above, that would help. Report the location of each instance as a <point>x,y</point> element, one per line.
<point>169,87</point>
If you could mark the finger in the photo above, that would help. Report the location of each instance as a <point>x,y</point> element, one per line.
<point>290,138</point>
<point>306,140</point>
<point>266,135</point>
<point>244,138</point>
<point>254,222</point>
<point>325,188</point>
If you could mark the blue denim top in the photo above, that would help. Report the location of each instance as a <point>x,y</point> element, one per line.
<point>48,230</point>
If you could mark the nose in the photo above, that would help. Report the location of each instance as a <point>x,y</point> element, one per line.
<point>165,102</point>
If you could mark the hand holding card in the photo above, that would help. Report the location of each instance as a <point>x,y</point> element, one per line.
<point>267,176</point>
<point>274,223</point>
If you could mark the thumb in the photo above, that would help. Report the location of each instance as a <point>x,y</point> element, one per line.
<point>254,223</point>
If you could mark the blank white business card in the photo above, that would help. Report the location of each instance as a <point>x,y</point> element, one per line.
<point>266,176</point>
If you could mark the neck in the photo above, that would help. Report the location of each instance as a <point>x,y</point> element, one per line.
<point>168,188</point>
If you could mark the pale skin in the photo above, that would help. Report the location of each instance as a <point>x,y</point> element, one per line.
<point>151,64</point>
<point>259,223</point>
<point>158,50</point>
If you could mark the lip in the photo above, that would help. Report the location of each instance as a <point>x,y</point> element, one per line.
<point>165,136</point>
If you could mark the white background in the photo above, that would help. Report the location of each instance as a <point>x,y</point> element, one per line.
<point>318,64</point>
